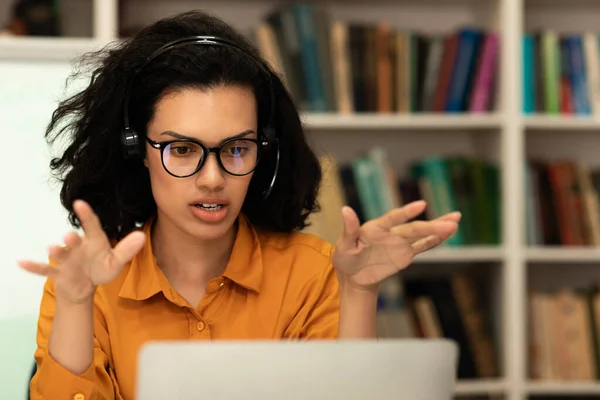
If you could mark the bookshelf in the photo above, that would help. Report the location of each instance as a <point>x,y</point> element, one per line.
<point>504,135</point>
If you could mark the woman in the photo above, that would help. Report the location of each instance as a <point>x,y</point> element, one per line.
<point>188,170</point>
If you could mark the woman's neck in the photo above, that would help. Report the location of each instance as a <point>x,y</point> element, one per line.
<point>183,257</point>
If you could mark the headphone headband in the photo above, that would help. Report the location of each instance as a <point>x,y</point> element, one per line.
<point>203,40</point>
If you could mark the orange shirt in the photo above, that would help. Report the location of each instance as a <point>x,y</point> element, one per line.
<point>275,286</point>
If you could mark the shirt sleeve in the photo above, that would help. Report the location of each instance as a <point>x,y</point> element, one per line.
<point>52,380</point>
<point>318,317</point>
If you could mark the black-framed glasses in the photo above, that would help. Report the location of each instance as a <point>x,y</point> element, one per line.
<point>184,157</point>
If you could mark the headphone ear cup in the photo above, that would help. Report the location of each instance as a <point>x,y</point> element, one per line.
<point>268,190</point>
<point>270,136</point>
<point>130,143</point>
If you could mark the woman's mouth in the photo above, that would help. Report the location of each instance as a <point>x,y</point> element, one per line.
<point>210,207</point>
<point>210,212</point>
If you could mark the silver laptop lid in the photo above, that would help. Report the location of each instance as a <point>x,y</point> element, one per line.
<point>384,370</point>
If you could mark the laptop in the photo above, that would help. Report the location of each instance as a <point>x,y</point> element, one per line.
<point>408,369</point>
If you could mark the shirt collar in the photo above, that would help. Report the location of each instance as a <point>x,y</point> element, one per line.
<point>145,278</point>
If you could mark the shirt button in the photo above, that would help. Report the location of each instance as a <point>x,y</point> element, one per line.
<point>200,326</point>
<point>79,396</point>
<point>221,284</point>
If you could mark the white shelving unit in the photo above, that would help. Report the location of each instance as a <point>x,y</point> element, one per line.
<point>564,389</point>
<point>481,387</point>
<point>462,255</point>
<point>562,255</point>
<point>44,49</point>
<point>558,123</point>
<point>408,122</point>
<point>505,135</point>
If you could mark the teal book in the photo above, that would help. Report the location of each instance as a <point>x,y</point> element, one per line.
<point>378,157</point>
<point>304,17</point>
<point>365,178</point>
<point>529,78</point>
<point>436,170</point>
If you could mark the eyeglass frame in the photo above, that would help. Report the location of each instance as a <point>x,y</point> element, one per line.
<point>206,152</point>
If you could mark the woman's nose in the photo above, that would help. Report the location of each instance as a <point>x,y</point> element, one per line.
<point>211,175</point>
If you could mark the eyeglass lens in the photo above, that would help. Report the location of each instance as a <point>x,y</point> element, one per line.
<point>238,157</point>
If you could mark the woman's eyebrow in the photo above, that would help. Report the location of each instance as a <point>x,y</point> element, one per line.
<point>177,135</point>
<point>240,135</point>
<point>183,137</point>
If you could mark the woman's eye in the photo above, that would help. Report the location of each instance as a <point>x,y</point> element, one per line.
<point>181,150</point>
<point>238,150</point>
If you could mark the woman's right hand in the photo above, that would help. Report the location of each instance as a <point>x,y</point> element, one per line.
<point>88,261</point>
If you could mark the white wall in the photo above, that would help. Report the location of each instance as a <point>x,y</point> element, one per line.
<point>31,215</point>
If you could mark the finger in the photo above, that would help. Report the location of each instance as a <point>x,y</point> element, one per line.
<point>453,216</point>
<point>39,268</point>
<point>72,240</point>
<point>128,247</point>
<point>89,220</point>
<point>420,229</point>
<point>351,227</point>
<point>403,214</point>
<point>405,235</point>
<point>427,243</point>
<point>60,253</point>
<point>57,253</point>
<point>415,229</point>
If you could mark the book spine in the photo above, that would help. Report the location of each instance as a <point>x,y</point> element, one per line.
<point>485,76</point>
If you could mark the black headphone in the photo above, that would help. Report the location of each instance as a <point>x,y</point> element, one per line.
<point>130,140</point>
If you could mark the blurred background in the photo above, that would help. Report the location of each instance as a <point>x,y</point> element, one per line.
<point>490,107</point>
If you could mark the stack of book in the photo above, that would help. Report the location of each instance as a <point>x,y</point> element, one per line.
<point>372,187</point>
<point>561,73</point>
<point>564,335</point>
<point>446,306</point>
<point>562,204</point>
<point>332,65</point>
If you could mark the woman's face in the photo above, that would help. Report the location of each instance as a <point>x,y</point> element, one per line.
<point>205,204</point>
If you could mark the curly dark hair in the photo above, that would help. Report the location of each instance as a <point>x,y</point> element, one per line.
<point>93,166</point>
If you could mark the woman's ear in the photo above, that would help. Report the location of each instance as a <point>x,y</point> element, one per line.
<point>146,162</point>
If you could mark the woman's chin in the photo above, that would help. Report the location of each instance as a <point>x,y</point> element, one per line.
<point>210,231</point>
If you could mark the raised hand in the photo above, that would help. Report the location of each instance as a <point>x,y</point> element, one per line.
<point>366,255</point>
<point>85,262</point>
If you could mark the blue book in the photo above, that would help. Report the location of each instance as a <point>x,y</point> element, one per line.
<point>581,103</point>
<point>463,69</point>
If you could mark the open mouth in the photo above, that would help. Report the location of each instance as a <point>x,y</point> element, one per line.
<point>209,207</point>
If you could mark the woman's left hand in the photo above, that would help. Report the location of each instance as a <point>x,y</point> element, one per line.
<point>366,255</point>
